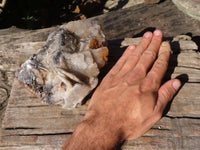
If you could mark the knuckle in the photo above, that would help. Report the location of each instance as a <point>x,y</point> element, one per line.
<point>164,52</point>
<point>147,86</point>
<point>108,77</point>
<point>114,81</point>
<point>140,70</point>
<point>160,63</point>
<point>135,74</point>
<point>166,93</point>
<point>113,71</point>
<point>135,55</point>
<point>143,89</point>
<point>153,81</point>
<point>143,46</point>
<point>150,53</point>
<point>117,66</point>
<point>127,67</point>
<point>143,43</point>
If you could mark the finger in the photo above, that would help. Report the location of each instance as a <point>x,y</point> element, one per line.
<point>166,93</point>
<point>122,60</point>
<point>150,54</point>
<point>160,66</point>
<point>135,56</point>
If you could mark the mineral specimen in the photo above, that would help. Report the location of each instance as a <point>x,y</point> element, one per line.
<point>65,70</point>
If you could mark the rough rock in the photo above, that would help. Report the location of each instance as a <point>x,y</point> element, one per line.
<point>65,70</point>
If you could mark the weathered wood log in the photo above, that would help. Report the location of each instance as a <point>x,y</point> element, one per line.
<point>28,116</point>
<point>133,21</point>
<point>191,7</point>
<point>30,124</point>
<point>130,22</point>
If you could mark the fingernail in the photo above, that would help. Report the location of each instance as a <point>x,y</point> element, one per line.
<point>147,34</point>
<point>131,47</point>
<point>157,33</point>
<point>176,84</point>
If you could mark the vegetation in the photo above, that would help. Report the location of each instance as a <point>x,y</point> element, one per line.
<point>34,14</point>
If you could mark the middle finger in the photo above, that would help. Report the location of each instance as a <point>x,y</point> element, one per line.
<point>146,60</point>
<point>135,56</point>
<point>149,55</point>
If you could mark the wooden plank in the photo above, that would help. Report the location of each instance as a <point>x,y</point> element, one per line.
<point>38,116</point>
<point>32,147</point>
<point>34,140</point>
<point>31,124</point>
<point>191,73</point>
<point>186,103</point>
<point>163,143</point>
<point>27,116</point>
<point>130,22</point>
<point>40,119</point>
<point>143,143</point>
<point>177,132</point>
<point>185,59</point>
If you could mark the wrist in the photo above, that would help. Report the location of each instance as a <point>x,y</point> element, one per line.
<point>104,125</point>
<point>97,132</point>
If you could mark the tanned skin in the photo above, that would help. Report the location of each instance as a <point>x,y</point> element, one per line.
<point>130,99</point>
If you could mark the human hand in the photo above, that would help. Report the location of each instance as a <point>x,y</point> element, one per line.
<point>130,99</point>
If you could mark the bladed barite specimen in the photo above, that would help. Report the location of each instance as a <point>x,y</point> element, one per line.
<point>65,70</point>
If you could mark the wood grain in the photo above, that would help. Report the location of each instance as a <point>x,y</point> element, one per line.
<point>27,116</point>
<point>30,124</point>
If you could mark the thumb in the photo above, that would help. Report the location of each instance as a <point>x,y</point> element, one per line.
<point>166,93</point>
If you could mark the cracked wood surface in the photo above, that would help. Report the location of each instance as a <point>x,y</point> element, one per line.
<point>30,124</point>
